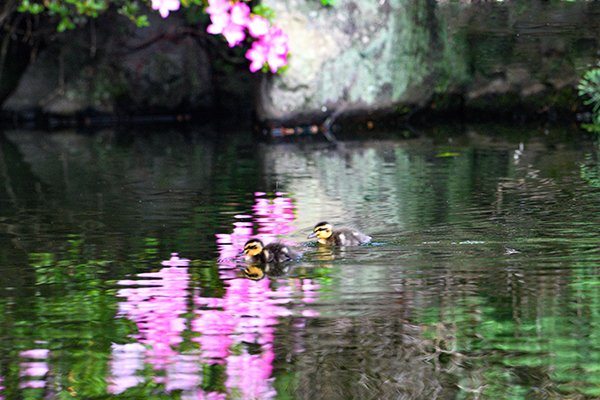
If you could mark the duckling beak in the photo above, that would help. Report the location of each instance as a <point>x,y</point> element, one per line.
<point>312,235</point>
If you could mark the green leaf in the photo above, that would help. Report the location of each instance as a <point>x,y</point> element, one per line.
<point>55,8</point>
<point>33,8</point>
<point>36,8</point>
<point>264,11</point>
<point>65,24</point>
<point>142,21</point>
<point>448,154</point>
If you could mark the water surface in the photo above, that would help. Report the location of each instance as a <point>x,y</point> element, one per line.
<point>120,278</point>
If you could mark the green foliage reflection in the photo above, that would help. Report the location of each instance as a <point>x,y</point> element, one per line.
<point>590,168</point>
<point>589,89</point>
<point>550,351</point>
<point>71,315</point>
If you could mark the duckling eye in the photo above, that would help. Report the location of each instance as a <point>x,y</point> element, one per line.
<point>252,247</point>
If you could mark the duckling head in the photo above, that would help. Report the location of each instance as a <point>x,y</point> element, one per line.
<point>253,247</point>
<point>322,231</point>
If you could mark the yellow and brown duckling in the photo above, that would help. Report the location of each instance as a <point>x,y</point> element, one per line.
<point>258,253</point>
<point>326,234</point>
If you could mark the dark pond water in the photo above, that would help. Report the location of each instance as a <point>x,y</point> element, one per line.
<point>483,280</point>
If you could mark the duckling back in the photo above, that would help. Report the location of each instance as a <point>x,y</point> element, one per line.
<point>348,237</point>
<point>277,252</point>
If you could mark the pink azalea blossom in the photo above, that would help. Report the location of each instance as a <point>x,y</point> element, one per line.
<point>233,20</point>
<point>240,14</point>
<point>235,31</point>
<point>165,6</point>
<point>228,20</point>
<point>271,49</point>
<point>219,23</point>
<point>218,6</point>
<point>278,49</point>
<point>258,26</point>
<point>234,34</point>
<point>257,55</point>
<point>219,15</point>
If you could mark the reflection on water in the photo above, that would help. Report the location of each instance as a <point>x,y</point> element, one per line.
<point>273,218</point>
<point>482,281</point>
<point>156,306</point>
<point>235,330</point>
<point>35,369</point>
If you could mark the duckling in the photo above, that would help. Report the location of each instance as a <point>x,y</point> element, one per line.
<point>257,253</point>
<point>339,237</point>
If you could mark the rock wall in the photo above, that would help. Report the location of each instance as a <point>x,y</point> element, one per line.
<point>467,56</point>
<point>354,55</point>
<point>110,66</point>
<point>114,70</point>
<point>14,53</point>
<point>518,56</point>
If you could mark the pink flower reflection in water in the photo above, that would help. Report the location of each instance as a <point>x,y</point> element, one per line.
<point>156,306</point>
<point>246,314</point>
<point>175,261</point>
<point>249,310</point>
<point>231,245</point>
<point>201,395</point>
<point>274,216</point>
<point>184,373</point>
<point>33,373</point>
<point>127,360</point>
<point>251,374</point>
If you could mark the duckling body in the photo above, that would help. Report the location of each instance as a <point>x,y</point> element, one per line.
<point>326,234</point>
<point>258,253</point>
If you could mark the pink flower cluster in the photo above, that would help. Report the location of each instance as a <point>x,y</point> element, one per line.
<point>270,46</point>
<point>165,6</point>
